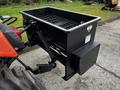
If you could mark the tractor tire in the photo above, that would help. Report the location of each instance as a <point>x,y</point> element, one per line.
<point>19,79</point>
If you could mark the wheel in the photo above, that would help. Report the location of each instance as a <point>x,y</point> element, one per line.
<point>19,79</point>
<point>6,61</point>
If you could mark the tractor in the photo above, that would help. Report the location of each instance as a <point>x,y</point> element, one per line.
<point>68,37</point>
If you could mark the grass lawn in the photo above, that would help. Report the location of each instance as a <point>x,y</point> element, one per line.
<point>94,9</point>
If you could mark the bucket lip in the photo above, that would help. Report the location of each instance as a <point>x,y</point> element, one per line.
<point>97,18</point>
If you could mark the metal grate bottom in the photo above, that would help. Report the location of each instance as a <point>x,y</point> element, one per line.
<point>59,21</point>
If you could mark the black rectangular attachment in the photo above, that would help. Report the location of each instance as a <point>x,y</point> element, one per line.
<point>87,56</point>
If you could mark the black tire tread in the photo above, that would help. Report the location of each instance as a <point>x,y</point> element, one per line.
<point>19,79</point>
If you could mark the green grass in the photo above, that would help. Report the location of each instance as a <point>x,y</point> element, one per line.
<point>94,9</point>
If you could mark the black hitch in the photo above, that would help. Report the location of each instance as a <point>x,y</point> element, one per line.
<point>40,68</point>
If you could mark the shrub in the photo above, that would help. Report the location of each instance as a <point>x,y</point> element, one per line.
<point>15,1</point>
<point>27,2</point>
<point>4,2</point>
<point>23,1</point>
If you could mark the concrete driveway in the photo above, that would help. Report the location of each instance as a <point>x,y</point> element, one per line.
<point>105,75</point>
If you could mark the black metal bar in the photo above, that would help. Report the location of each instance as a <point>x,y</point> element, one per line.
<point>47,48</point>
<point>26,67</point>
<point>26,27</point>
<point>14,20</point>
